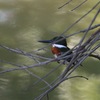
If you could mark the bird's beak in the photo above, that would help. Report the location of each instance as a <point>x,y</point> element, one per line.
<point>45,41</point>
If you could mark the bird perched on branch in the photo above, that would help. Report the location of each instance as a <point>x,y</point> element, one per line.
<point>59,48</point>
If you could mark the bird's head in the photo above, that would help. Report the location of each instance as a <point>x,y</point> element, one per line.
<point>58,40</point>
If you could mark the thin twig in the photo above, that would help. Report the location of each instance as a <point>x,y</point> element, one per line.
<point>65,4</point>
<point>79,5</point>
<point>89,27</point>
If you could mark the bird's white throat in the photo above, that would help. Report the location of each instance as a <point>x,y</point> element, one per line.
<point>59,46</point>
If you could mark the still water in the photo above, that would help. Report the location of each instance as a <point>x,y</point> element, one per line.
<point>22,24</point>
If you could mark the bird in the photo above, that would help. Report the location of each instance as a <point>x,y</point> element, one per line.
<point>59,48</point>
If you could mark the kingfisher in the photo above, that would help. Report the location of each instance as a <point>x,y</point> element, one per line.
<point>59,48</point>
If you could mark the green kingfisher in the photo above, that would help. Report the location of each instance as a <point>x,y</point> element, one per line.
<point>59,47</point>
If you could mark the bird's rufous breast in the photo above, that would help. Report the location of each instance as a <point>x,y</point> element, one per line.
<point>55,50</point>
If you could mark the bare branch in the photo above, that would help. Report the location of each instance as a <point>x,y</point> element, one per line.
<point>95,56</point>
<point>79,5</point>
<point>65,4</point>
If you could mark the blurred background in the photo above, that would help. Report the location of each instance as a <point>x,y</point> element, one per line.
<point>22,24</point>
